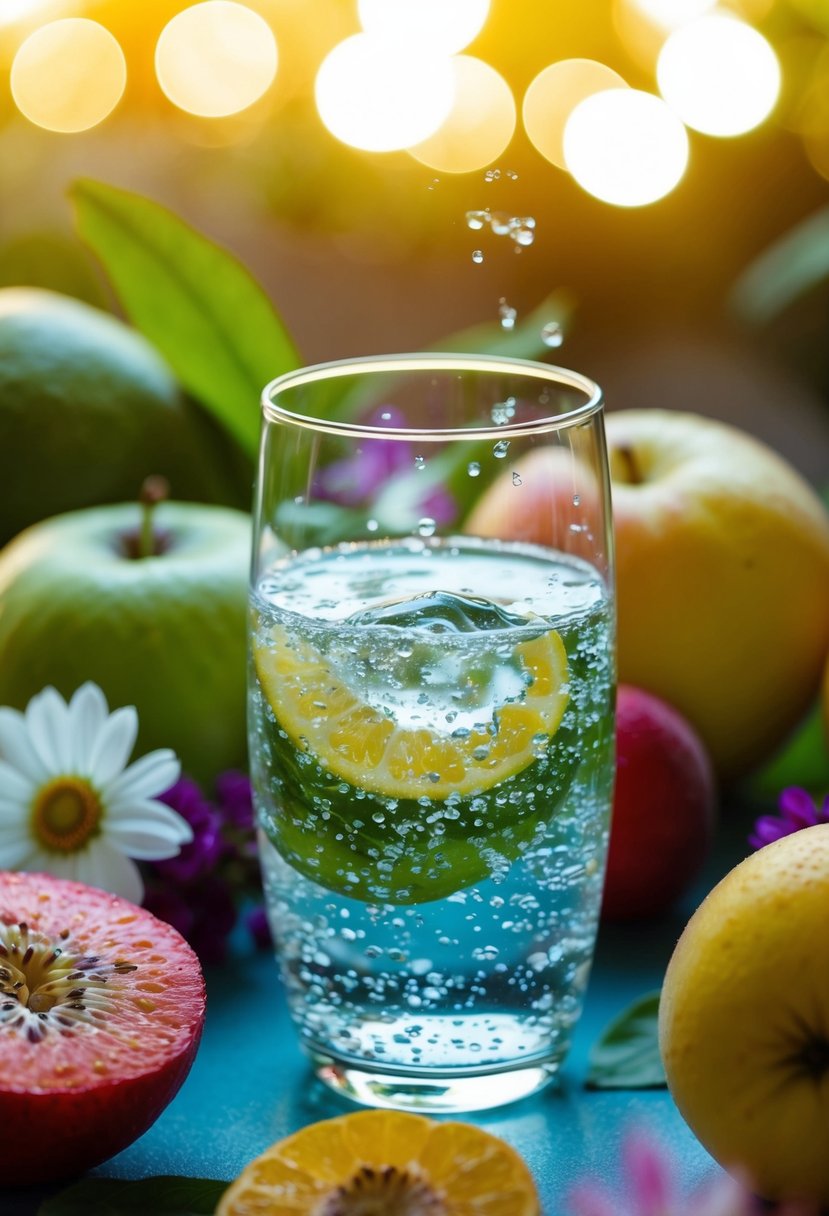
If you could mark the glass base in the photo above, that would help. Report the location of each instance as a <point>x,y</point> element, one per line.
<point>434,1093</point>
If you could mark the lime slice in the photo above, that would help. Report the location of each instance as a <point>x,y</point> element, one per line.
<point>358,743</point>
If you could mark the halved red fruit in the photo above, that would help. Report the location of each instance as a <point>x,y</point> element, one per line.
<point>101,1011</point>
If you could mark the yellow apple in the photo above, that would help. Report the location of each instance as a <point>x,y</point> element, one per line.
<point>723,579</point>
<point>744,1019</point>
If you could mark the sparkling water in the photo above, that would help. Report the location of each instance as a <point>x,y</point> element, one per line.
<point>433,926</point>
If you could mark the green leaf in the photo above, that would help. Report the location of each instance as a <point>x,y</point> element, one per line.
<point>790,268</point>
<point>627,1055</point>
<point>163,1196</point>
<point>196,303</point>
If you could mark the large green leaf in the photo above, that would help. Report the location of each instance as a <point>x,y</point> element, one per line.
<point>627,1055</point>
<point>163,1196</point>
<point>790,268</point>
<point>195,302</point>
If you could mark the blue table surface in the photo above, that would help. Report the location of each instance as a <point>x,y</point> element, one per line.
<point>250,1084</point>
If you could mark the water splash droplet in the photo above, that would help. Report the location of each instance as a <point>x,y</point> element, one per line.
<point>477,256</point>
<point>372,525</point>
<point>552,334</point>
<point>477,220</point>
<point>522,233</point>
<point>503,411</point>
<point>512,175</point>
<point>426,526</point>
<point>517,480</point>
<point>507,314</point>
<point>577,500</point>
<point>492,175</point>
<point>501,448</point>
<point>420,462</point>
<point>473,469</point>
<point>500,223</point>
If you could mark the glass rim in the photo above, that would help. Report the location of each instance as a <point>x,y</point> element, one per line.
<point>434,361</point>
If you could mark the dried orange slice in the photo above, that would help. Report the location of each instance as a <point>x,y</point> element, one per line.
<point>384,1163</point>
<point>361,744</point>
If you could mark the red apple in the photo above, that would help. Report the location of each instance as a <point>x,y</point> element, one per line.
<point>663,807</point>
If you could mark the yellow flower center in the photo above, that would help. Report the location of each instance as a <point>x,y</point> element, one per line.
<point>65,814</point>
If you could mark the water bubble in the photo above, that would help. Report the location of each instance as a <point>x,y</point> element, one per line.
<point>516,479</point>
<point>503,411</point>
<point>420,462</point>
<point>386,415</point>
<point>512,175</point>
<point>426,526</point>
<point>372,525</point>
<point>501,448</point>
<point>473,469</point>
<point>507,314</point>
<point>552,334</point>
<point>522,237</point>
<point>477,220</point>
<point>500,223</point>
<point>576,500</point>
<point>492,175</point>
<point>477,256</point>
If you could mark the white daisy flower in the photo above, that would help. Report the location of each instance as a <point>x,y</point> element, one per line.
<point>70,806</point>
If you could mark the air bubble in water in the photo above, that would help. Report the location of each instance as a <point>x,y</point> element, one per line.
<point>516,479</point>
<point>420,462</point>
<point>501,223</point>
<point>522,231</point>
<point>577,500</point>
<point>372,525</point>
<point>501,448</point>
<point>426,526</point>
<point>507,314</point>
<point>473,468</point>
<point>552,334</point>
<point>477,256</point>
<point>477,220</point>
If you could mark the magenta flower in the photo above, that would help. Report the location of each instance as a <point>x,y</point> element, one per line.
<point>797,809</point>
<point>202,890</point>
<point>357,480</point>
<point>651,1189</point>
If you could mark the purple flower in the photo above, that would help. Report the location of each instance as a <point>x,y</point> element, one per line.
<point>797,809</point>
<point>203,851</point>
<point>357,480</point>
<point>235,795</point>
<point>651,1189</point>
<point>259,929</point>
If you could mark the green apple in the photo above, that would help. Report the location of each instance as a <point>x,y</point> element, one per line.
<point>165,632</point>
<point>88,409</point>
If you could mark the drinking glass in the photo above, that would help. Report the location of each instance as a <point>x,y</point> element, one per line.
<point>431,717</point>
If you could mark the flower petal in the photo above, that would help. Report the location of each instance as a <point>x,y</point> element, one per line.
<point>113,746</point>
<point>16,746</point>
<point>61,865</point>
<point>47,720</point>
<point>88,712</point>
<point>16,852</point>
<point>151,815</point>
<point>151,775</point>
<point>798,806</point>
<point>145,840</point>
<point>13,785</point>
<point>113,871</point>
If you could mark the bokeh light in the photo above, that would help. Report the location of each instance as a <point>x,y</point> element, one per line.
<point>437,25</point>
<point>719,74</point>
<point>383,96</point>
<point>480,124</point>
<point>555,93</point>
<point>68,75</point>
<point>216,58</point>
<point>670,14</point>
<point>625,147</point>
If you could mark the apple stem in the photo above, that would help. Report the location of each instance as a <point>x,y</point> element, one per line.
<point>632,472</point>
<point>154,490</point>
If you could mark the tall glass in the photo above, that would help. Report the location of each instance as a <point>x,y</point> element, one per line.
<point>431,717</point>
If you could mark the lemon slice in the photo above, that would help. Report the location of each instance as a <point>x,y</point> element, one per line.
<point>360,744</point>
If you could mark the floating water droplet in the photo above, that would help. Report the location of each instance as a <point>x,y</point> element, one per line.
<point>512,175</point>
<point>473,468</point>
<point>477,220</point>
<point>500,223</point>
<point>552,334</point>
<point>477,256</point>
<point>522,236</point>
<point>507,314</point>
<point>516,479</point>
<point>420,462</point>
<point>501,448</point>
<point>426,526</point>
<point>372,525</point>
<point>577,500</point>
<point>492,175</point>
<point>503,411</point>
